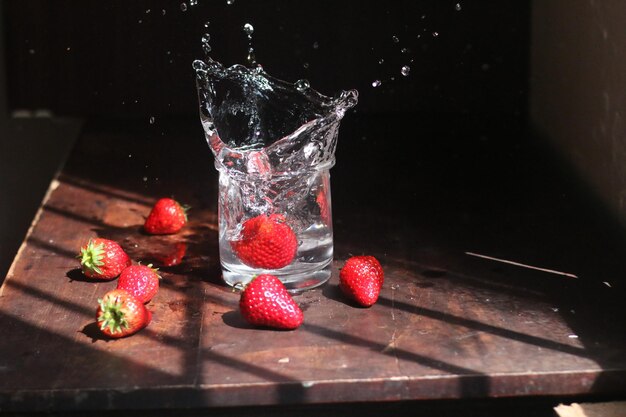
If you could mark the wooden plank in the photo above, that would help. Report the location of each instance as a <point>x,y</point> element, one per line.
<point>447,325</point>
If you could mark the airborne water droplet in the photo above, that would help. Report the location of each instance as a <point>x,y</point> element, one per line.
<point>248,29</point>
<point>395,39</point>
<point>183,7</point>
<point>151,120</point>
<point>229,2</point>
<point>405,70</point>
<point>251,58</point>
<point>435,34</point>
<point>381,61</point>
<point>205,43</point>
<point>457,7</point>
<point>302,85</point>
<point>193,2</point>
<point>376,83</point>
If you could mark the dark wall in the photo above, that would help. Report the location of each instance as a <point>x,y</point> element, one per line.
<point>579,84</point>
<point>122,58</point>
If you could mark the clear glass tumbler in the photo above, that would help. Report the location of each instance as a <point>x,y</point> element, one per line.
<point>274,144</point>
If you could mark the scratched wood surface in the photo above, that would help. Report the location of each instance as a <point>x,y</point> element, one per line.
<point>448,325</point>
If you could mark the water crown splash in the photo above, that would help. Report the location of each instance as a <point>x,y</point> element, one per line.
<point>245,110</point>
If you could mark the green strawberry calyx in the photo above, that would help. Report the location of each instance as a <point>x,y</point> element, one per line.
<point>112,316</point>
<point>239,286</point>
<point>153,269</point>
<point>91,256</point>
<point>185,208</point>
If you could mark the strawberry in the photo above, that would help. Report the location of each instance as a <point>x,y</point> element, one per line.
<point>266,302</point>
<point>361,279</point>
<point>120,314</point>
<point>103,259</point>
<point>266,242</point>
<point>166,217</point>
<point>141,281</point>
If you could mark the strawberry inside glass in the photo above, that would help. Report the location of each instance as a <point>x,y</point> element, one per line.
<point>274,144</point>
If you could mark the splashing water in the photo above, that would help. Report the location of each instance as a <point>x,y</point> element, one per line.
<point>248,29</point>
<point>260,126</point>
<point>205,43</point>
<point>245,109</point>
<point>302,85</point>
<point>274,143</point>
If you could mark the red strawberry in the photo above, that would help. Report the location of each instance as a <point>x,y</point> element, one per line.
<point>103,259</point>
<point>266,242</point>
<point>141,281</point>
<point>166,217</point>
<point>266,302</point>
<point>361,279</point>
<point>120,314</point>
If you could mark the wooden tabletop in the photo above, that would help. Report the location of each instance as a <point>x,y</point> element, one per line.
<point>502,279</point>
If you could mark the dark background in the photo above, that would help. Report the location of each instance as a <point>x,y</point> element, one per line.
<point>133,59</point>
<point>456,122</point>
